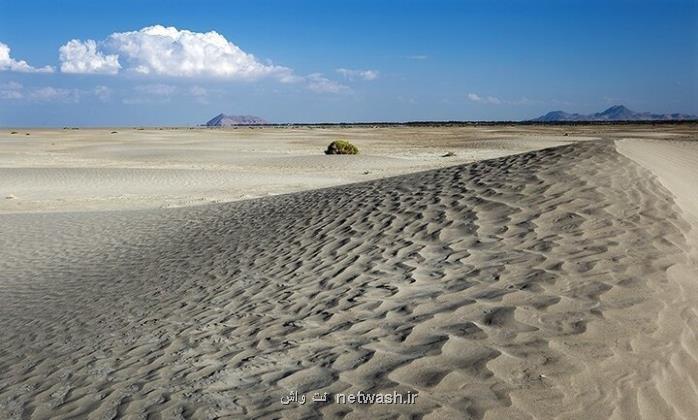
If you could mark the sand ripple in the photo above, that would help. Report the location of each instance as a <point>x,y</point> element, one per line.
<point>534,285</point>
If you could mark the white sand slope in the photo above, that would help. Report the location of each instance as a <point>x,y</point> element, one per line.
<point>550,284</point>
<point>675,163</point>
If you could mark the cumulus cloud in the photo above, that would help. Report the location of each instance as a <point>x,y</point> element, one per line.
<point>358,74</point>
<point>173,52</point>
<point>8,63</point>
<point>168,51</point>
<point>320,84</point>
<point>83,57</point>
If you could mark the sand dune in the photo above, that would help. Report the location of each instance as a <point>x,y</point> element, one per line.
<point>556,283</point>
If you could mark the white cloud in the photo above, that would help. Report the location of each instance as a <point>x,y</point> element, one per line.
<point>157,89</point>
<point>103,93</point>
<point>16,91</point>
<point>417,57</point>
<point>320,84</point>
<point>11,90</point>
<point>163,93</point>
<point>200,94</point>
<point>493,100</point>
<point>198,91</point>
<point>474,97</point>
<point>10,64</point>
<point>83,58</point>
<point>173,52</point>
<point>486,100</point>
<point>358,74</point>
<point>51,94</point>
<point>153,93</point>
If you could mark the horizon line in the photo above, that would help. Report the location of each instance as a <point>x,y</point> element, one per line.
<point>362,123</point>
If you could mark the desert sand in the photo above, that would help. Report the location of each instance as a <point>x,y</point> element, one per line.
<point>126,168</point>
<point>533,275</point>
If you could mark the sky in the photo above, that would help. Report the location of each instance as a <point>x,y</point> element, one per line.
<point>150,63</point>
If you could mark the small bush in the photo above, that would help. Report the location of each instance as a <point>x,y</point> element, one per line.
<point>341,147</point>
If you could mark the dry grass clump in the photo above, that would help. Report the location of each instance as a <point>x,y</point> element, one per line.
<point>341,147</point>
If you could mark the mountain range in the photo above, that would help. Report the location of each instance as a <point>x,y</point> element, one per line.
<point>614,113</point>
<point>222,120</point>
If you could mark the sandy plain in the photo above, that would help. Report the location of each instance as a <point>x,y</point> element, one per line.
<point>106,169</point>
<point>532,275</point>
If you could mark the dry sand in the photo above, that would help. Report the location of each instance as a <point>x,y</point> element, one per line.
<point>555,283</point>
<point>93,169</point>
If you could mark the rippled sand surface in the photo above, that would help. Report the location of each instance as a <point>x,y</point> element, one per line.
<point>554,283</point>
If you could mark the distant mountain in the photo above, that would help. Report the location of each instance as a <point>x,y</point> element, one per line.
<point>614,113</point>
<point>222,120</point>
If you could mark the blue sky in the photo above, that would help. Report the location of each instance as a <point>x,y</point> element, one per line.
<point>158,63</point>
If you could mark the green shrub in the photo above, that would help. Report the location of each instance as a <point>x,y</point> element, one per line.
<point>341,147</point>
